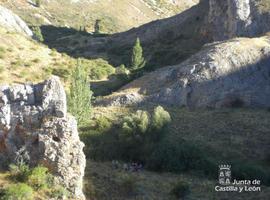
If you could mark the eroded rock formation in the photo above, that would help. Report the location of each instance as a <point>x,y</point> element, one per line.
<point>35,128</point>
<point>236,18</point>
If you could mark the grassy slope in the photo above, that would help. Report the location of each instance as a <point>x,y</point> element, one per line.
<point>84,13</point>
<point>22,59</point>
<point>25,60</point>
<point>164,43</point>
<point>167,43</point>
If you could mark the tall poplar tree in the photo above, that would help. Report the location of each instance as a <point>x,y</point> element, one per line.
<point>80,95</point>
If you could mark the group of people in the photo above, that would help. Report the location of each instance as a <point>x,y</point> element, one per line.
<point>128,167</point>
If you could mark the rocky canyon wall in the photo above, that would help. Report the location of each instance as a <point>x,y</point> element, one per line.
<point>36,128</point>
<point>235,18</point>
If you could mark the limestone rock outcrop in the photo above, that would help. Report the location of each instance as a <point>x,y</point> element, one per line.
<point>223,74</point>
<point>36,128</point>
<point>236,18</point>
<point>13,22</point>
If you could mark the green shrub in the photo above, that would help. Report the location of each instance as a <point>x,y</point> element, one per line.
<point>19,172</point>
<point>38,178</point>
<point>137,123</point>
<point>161,118</point>
<point>58,192</point>
<point>79,101</point>
<point>180,190</point>
<point>37,34</point>
<point>18,191</point>
<point>122,70</point>
<point>98,69</point>
<point>103,124</point>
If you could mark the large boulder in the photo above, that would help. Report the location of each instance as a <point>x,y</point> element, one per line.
<point>13,22</point>
<point>223,74</point>
<point>35,128</point>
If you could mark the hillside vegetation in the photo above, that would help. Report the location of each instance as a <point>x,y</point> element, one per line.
<point>26,60</point>
<point>237,136</point>
<point>84,13</point>
<point>179,147</point>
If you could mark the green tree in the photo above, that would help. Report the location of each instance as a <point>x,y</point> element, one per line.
<point>80,94</point>
<point>97,26</point>
<point>137,59</point>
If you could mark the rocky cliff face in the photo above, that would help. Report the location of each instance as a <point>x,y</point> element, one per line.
<point>35,128</point>
<point>224,74</point>
<point>13,22</point>
<point>232,18</point>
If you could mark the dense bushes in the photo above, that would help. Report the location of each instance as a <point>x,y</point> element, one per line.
<point>19,172</point>
<point>27,180</point>
<point>178,156</point>
<point>20,191</point>
<point>145,137</point>
<point>136,124</point>
<point>141,122</point>
<point>133,138</point>
<point>39,178</point>
<point>98,69</point>
<point>160,118</point>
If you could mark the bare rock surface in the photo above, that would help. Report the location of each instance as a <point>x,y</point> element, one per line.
<point>36,128</point>
<point>13,22</point>
<point>236,18</point>
<point>223,74</point>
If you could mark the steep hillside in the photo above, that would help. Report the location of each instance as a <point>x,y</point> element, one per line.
<point>22,59</point>
<point>84,13</point>
<point>224,74</point>
<point>165,41</point>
